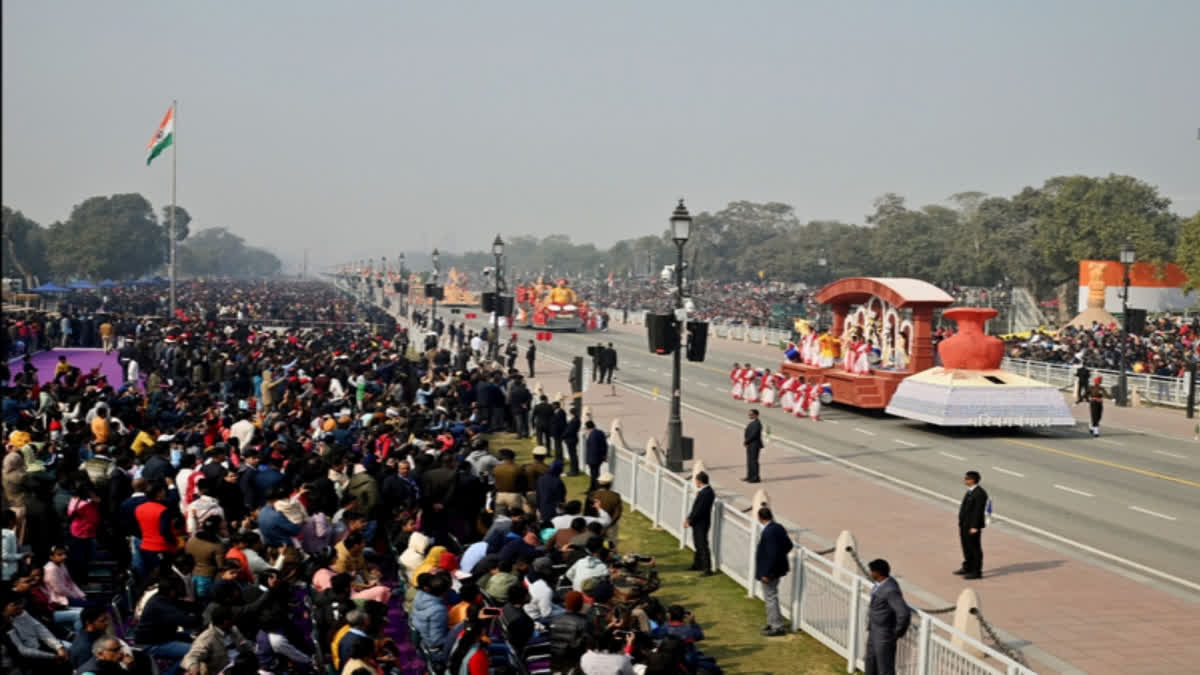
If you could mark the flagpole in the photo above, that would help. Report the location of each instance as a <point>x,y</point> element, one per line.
<point>174,157</point>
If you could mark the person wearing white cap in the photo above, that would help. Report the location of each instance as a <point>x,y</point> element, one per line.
<point>609,502</point>
<point>533,471</point>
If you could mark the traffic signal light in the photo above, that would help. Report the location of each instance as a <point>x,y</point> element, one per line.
<point>662,333</point>
<point>697,340</point>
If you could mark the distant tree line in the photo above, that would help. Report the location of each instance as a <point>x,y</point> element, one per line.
<point>120,237</point>
<point>1034,238</point>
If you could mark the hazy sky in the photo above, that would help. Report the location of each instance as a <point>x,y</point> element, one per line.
<point>361,128</point>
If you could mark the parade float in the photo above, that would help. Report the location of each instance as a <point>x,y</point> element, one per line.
<point>557,307</point>
<point>879,354</point>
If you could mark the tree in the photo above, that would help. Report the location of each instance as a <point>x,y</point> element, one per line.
<point>107,237</point>
<point>1188,253</point>
<point>1080,217</point>
<point>218,252</point>
<point>182,218</point>
<point>24,246</point>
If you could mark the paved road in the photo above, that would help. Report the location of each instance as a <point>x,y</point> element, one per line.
<point>1129,495</point>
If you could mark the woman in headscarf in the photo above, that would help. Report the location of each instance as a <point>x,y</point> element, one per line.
<point>429,564</point>
<point>414,555</point>
<point>551,491</point>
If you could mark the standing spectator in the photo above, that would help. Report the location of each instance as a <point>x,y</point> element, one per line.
<point>551,491</point>
<point>530,356</point>
<point>543,415</point>
<point>106,336</point>
<point>699,520</point>
<point>595,451</point>
<point>770,565</point>
<point>558,427</point>
<point>610,503</point>
<point>154,522</point>
<point>970,526</point>
<point>571,439</point>
<point>83,517</point>
<point>887,622</point>
<point>510,482</point>
<point>752,440</point>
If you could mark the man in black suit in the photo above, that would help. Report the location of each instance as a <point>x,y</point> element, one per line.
<point>771,565</point>
<point>595,452</point>
<point>530,356</point>
<point>887,622</point>
<point>571,438</point>
<point>558,428</point>
<point>971,516</point>
<point>699,520</point>
<point>609,364</point>
<point>543,413</point>
<point>752,439</point>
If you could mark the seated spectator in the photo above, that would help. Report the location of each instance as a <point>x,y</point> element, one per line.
<point>517,625</point>
<point>414,555</point>
<point>361,659</point>
<point>162,617</point>
<point>499,579</point>
<point>429,564</point>
<point>212,649</point>
<point>591,565</point>
<point>95,623</point>
<point>608,655</point>
<point>430,616</point>
<point>469,655</point>
<point>208,554</point>
<point>275,650</point>
<point>356,630</point>
<point>541,581</point>
<point>33,641</point>
<point>568,632</point>
<point>106,656</point>
<point>276,528</point>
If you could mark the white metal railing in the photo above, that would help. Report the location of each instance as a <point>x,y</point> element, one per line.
<point>826,602</point>
<point>1157,389</point>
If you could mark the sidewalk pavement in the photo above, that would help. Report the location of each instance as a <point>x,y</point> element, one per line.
<point>1068,613</point>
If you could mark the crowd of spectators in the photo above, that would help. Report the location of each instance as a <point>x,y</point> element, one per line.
<point>1164,346</point>
<point>750,303</point>
<point>327,496</point>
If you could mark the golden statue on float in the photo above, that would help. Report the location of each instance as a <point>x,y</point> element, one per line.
<point>557,307</point>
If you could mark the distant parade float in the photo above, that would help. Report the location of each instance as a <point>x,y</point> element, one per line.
<point>557,307</point>
<point>878,354</point>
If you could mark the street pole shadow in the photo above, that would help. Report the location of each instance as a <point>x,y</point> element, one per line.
<point>1018,568</point>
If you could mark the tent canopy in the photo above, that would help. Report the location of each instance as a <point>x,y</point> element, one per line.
<point>82,285</point>
<point>49,287</point>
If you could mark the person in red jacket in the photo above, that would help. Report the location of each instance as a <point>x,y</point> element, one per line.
<point>154,521</point>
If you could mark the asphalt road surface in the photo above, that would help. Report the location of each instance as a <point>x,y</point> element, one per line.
<point>1133,497</point>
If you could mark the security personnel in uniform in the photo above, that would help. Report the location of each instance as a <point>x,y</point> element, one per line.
<point>510,481</point>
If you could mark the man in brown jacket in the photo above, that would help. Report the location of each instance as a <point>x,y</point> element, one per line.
<point>510,482</point>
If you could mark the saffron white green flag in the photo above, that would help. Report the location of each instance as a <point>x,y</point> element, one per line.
<point>163,138</point>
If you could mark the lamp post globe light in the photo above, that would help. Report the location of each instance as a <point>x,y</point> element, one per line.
<point>498,252</point>
<point>1128,257</point>
<point>681,229</point>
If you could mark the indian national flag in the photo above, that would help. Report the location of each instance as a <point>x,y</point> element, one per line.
<point>163,138</point>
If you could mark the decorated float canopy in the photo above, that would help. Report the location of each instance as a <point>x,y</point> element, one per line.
<point>880,300</point>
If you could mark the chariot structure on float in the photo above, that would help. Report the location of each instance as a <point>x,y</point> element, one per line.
<point>882,333</point>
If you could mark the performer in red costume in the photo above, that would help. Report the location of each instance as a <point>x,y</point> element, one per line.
<point>735,376</point>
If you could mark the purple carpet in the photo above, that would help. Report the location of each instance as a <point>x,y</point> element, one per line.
<point>84,359</point>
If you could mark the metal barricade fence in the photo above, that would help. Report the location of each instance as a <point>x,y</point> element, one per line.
<point>827,602</point>
<point>1158,389</point>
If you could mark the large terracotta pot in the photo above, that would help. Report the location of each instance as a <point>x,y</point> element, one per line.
<point>970,348</point>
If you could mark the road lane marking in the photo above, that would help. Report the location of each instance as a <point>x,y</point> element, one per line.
<point>864,431</point>
<point>1071,489</point>
<point>946,454</point>
<point>1011,473</point>
<point>1103,462</point>
<point>928,492</point>
<point>1152,513</point>
<point>1169,454</point>
<point>1105,440</point>
<point>903,442</point>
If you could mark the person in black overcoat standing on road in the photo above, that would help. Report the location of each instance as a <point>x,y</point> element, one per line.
<point>971,516</point>
<point>752,439</point>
